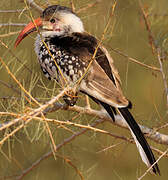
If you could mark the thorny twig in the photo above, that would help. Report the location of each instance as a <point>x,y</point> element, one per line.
<point>68,140</point>
<point>26,118</point>
<point>152,134</point>
<point>119,121</point>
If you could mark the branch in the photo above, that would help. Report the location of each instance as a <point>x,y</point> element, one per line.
<point>27,117</point>
<point>119,121</point>
<point>70,139</point>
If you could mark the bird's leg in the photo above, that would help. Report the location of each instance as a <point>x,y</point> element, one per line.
<point>70,97</point>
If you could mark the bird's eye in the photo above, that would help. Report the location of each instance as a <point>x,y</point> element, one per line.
<point>52,21</point>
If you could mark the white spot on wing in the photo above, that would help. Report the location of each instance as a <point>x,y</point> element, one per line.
<point>70,67</point>
<point>46,61</point>
<point>71,72</point>
<point>73,58</point>
<point>54,69</point>
<point>62,63</point>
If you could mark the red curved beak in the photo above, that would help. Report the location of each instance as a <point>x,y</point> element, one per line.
<point>31,27</point>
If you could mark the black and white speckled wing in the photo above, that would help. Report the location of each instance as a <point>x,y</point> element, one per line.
<point>72,54</point>
<point>71,66</point>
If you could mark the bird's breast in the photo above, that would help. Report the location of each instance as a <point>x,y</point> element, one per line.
<point>53,59</point>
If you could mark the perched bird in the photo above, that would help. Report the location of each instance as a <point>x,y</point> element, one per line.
<point>66,54</point>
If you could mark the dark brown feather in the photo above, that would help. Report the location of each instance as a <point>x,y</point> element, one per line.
<point>83,45</point>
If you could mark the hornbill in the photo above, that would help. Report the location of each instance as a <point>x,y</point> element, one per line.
<point>72,57</point>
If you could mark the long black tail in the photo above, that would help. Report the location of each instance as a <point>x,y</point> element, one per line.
<point>142,145</point>
<point>145,150</point>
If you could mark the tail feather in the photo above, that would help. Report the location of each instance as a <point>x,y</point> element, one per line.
<point>111,110</point>
<point>142,145</point>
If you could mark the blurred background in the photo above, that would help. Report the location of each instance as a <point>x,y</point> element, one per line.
<point>143,86</point>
